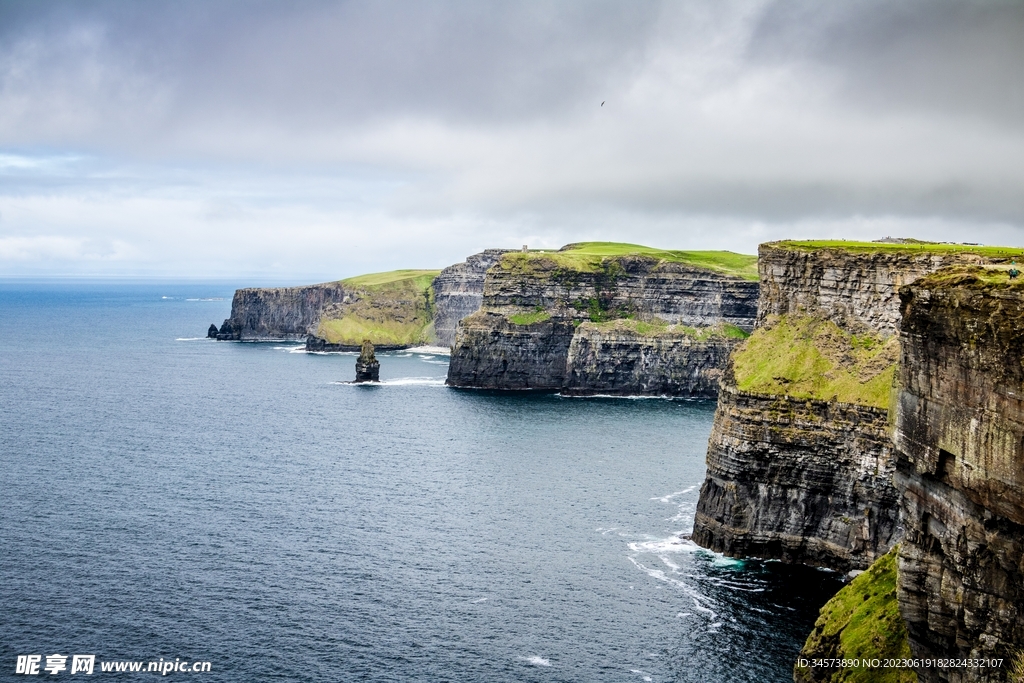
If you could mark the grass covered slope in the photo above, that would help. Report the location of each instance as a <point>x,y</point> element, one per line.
<point>861,621</point>
<point>808,357</point>
<point>591,257</point>
<point>661,328</point>
<point>390,309</point>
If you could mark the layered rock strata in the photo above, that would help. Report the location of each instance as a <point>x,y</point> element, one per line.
<point>856,287</point>
<point>459,292</point>
<point>261,313</point>
<point>960,443</point>
<point>619,359</point>
<point>543,325</point>
<point>799,480</point>
<point>799,465</point>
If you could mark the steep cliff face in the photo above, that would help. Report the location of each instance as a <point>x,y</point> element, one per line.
<point>547,302</point>
<point>799,464</point>
<point>960,442</point>
<point>628,357</point>
<point>854,284</point>
<point>278,313</point>
<point>494,352</point>
<point>459,291</point>
<point>797,479</point>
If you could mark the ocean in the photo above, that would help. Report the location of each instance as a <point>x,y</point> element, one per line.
<point>169,499</point>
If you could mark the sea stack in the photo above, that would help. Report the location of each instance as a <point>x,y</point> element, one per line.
<point>367,366</point>
<point>212,332</point>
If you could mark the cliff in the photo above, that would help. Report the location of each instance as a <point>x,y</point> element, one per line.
<point>278,313</point>
<point>800,464</point>
<point>397,309</point>
<point>631,357</point>
<point>459,291</point>
<point>960,443</point>
<point>539,323</point>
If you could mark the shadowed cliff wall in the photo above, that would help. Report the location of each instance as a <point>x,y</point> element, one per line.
<point>960,443</point>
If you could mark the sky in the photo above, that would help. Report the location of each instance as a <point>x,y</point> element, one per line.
<point>305,141</point>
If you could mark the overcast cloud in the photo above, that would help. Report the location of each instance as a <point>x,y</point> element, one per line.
<point>308,140</point>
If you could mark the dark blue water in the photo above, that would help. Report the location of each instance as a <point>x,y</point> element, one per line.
<point>165,496</point>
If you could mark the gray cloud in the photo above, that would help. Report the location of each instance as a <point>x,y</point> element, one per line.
<point>178,136</point>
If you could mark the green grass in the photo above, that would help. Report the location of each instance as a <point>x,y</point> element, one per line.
<point>861,621</point>
<point>530,318</point>
<point>913,247</point>
<point>592,257</point>
<point>658,327</point>
<point>974,277</point>
<point>422,278</point>
<point>808,357</point>
<point>393,308</point>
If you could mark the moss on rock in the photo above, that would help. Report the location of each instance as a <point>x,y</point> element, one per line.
<point>389,309</point>
<point>862,621</point>
<point>808,357</point>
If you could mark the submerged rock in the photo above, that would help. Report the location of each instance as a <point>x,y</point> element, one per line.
<point>367,365</point>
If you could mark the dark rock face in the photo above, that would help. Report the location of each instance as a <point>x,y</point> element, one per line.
<point>367,365</point>
<point>621,361</point>
<point>278,313</point>
<point>491,351</point>
<point>810,481</point>
<point>212,332</point>
<point>638,285</point>
<point>960,443</point>
<point>856,290</point>
<point>494,353</point>
<point>459,291</point>
<point>798,480</point>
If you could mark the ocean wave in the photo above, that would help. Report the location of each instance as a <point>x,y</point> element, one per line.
<point>192,339</point>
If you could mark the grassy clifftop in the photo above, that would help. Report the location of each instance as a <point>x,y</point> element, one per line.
<point>908,247</point>
<point>592,257</point>
<point>809,357</point>
<point>393,308</point>
<point>862,621</point>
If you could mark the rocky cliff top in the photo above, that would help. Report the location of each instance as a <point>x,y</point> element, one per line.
<point>855,284</point>
<point>595,257</point>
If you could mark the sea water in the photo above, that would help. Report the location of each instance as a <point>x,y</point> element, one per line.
<point>163,496</point>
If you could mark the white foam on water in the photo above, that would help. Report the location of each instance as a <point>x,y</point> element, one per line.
<point>414,381</point>
<point>534,660</point>
<point>641,673</point>
<point>672,544</point>
<point>191,338</point>
<point>425,357</point>
<point>695,595</point>
<point>436,362</point>
<point>669,497</point>
<point>479,600</point>
<point>435,350</point>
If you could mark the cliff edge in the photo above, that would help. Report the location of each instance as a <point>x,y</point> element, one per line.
<point>601,317</point>
<point>800,463</point>
<point>960,443</point>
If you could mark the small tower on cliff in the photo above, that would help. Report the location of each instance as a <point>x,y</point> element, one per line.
<point>367,366</point>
